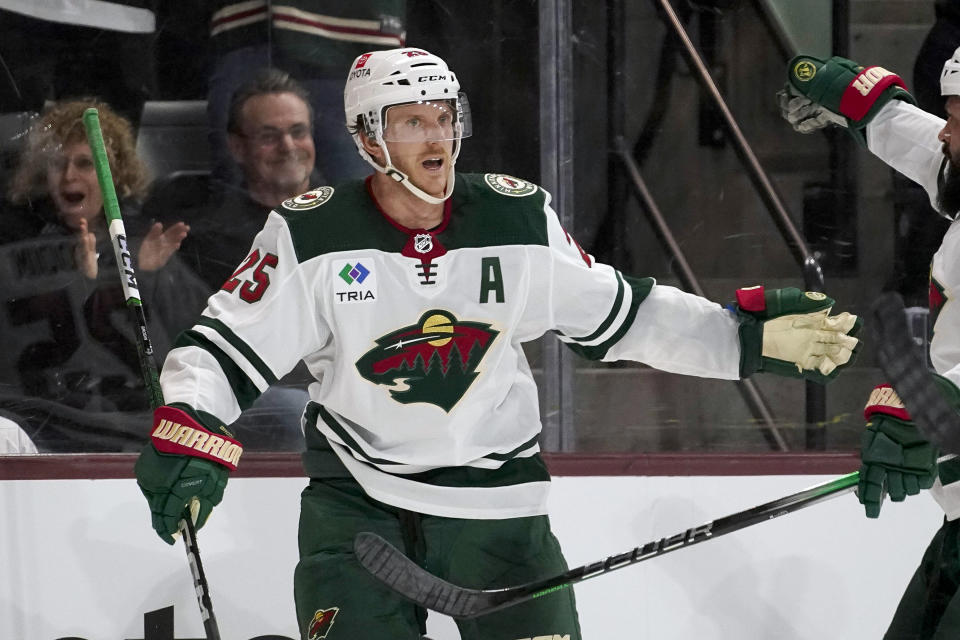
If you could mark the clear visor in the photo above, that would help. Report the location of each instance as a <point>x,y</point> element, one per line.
<point>427,121</point>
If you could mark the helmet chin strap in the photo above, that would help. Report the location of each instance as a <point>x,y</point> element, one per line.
<point>404,179</point>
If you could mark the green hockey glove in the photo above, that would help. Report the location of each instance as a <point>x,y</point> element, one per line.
<point>184,465</point>
<point>837,91</point>
<point>791,333</point>
<point>895,457</point>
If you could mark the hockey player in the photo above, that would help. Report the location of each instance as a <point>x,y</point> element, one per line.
<point>874,106</point>
<point>409,296</point>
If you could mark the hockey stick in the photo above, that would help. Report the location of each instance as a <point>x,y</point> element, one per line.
<point>910,375</point>
<point>901,363</point>
<point>148,368</point>
<point>389,565</point>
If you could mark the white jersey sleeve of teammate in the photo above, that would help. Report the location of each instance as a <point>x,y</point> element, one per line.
<point>905,137</point>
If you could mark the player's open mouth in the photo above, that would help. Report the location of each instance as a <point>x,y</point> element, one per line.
<point>72,198</point>
<point>433,163</point>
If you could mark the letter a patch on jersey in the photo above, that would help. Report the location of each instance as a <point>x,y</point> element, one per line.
<point>433,361</point>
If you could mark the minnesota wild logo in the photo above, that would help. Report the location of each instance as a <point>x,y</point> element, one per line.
<point>309,200</point>
<point>508,185</point>
<point>433,361</point>
<point>321,623</point>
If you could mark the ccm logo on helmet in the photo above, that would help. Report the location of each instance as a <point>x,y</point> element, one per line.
<point>430,78</point>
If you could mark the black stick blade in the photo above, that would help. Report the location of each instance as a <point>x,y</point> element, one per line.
<point>390,566</point>
<point>910,376</point>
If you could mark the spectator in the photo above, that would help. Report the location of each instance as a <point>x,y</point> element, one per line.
<point>269,137</point>
<point>68,347</point>
<point>313,40</point>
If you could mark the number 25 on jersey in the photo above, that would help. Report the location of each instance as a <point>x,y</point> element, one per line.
<point>253,284</point>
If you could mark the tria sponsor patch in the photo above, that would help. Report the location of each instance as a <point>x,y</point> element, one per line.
<point>355,281</point>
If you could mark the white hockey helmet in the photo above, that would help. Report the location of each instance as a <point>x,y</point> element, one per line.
<point>950,77</point>
<point>381,79</point>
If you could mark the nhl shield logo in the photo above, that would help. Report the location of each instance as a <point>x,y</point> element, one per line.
<point>423,242</point>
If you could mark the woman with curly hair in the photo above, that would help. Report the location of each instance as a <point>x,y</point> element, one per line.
<point>57,183</point>
<point>69,361</point>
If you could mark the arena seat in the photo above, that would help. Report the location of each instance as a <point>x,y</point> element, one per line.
<point>172,194</point>
<point>173,136</point>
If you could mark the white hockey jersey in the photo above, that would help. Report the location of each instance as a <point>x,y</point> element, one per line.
<point>905,137</point>
<point>414,337</point>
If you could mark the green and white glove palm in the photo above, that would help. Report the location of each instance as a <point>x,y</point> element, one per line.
<point>183,466</point>
<point>895,457</point>
<point>791,333</point>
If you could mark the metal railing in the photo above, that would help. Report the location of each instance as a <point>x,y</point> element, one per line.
<point>556,111</point>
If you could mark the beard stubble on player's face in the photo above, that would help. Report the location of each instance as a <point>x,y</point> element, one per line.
<point>948,196</point>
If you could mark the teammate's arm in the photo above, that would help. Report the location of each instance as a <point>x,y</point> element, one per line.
<point>837,91</point>
<point>873,105</point>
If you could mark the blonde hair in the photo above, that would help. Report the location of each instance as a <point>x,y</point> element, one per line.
<point>62,125</point>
